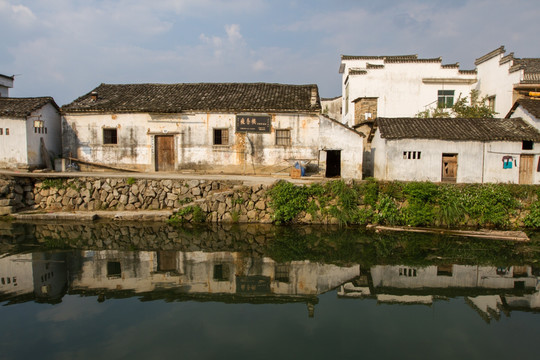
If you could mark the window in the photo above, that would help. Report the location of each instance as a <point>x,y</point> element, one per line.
<point>407,272</point>
<point>110,136</point>
<point>283,137</point>
<point>412,155</point>
<point>7,131</point>
<point>282,273</point>
<point>346,99</point>
<point>491,103</point>
<point>1,131</point>
<point>527,145</point>
<point>221,272</point>
<point>221,137</point>
<point>445,99</point>
<point>114,269</point>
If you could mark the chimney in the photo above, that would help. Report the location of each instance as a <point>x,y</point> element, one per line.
<point>313,96</point>
<point>94,96</point>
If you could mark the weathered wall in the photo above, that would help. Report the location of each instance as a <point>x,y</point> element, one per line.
<point>193,141</point>
<point>478,162</point>
<point>13,146</point>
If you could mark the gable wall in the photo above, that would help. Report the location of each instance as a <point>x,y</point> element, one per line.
<point>494,79</point>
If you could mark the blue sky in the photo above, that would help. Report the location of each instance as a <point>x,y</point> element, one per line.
<point>65,48</point>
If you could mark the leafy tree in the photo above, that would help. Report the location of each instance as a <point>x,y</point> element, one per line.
<point>463,108</point>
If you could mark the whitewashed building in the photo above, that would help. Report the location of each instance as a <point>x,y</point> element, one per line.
<point>222,128</point>
<point>528,110</point>
<point>399,86</point>
<point>6,83</point>
<point>29,132</point>
<point>455,150</point>
<point>503,79</point>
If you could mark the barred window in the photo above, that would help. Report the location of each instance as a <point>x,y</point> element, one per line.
<point>110,136</point>
<point>221,137</point>
<point>283,137</point>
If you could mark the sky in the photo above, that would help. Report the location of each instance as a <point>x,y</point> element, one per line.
<point>66,48</point>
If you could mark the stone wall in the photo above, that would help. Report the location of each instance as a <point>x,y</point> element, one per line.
<point>220,201</point>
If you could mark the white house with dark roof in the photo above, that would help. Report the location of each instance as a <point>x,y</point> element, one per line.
<point>29,132</point>
<point>399,86</point>
<point>222,128</point>
<point>6,83</point>
<point>455,150</point>
<point>528,110</point>
<point>503,79</point>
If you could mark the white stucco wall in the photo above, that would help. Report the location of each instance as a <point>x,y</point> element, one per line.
<point>477,162</point>
<point>53,141</point>
<point>193,137</point>
<point>400,88</point>
<point>13,146</point>
<point>334,136</point>
<point>495,80</point>
<point>522,113</point>
<point>463,276</point>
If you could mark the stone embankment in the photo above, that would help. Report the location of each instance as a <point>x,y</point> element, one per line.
<point>220,201</point>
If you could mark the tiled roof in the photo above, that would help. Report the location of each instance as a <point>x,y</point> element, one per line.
<point>22,107</point>
<point>531,105</point>
<point>457,129</point>
<point>173,98</point>
<point>490,55</point>
<point>404,60</point>
<point>382,57</point>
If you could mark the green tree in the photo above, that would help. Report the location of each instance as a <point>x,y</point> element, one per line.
<point>463,108</point>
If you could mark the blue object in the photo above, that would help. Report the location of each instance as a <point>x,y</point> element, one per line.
<point>302,168</point>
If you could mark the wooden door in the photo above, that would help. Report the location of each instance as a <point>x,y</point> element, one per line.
<point>449,168</point>
<point>164,152</point>
<point>526,169</point>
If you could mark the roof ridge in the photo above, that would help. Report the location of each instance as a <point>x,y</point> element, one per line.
<point>490,55</point>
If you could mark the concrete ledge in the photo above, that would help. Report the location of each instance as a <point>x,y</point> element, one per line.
<point>141,215</point>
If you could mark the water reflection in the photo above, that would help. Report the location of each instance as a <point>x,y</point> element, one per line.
<point>44,262</point>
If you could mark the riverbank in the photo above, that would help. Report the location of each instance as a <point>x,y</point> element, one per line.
<point>237,200</point>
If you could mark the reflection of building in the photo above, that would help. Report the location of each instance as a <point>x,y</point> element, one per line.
<point>39,276</point>
<point>201,272</point>
<point>487,289</point>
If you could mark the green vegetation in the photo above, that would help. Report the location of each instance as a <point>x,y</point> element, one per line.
<point>130,181</point>
<point>190,213</point>
<point>54,183</point>
<point>463,108</point>
<point>501,206</point>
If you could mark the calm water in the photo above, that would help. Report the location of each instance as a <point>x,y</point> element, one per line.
<point>150,291</point>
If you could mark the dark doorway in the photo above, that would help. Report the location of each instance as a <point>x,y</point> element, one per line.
<point>333,163</point>
<point>164,152</point>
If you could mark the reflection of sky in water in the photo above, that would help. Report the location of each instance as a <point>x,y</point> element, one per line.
<point>340,328</point>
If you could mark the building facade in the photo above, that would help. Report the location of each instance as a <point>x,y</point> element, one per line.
<point>399,86</point>
<point>221,128</point>
<point>455,150</point>
<point>503,79</point>
<point>30,132</point>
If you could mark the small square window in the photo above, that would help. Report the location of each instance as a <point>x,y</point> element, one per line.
<point>527,145</point>
<point>282,273</point>
<point>114,269</point>
<point>283,137</point>
<point>110,136</point>
<point>1,131</point>
<point>221,272</point>
<point>221,137</point>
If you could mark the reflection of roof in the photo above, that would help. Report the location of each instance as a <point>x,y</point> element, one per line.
<point>171,295</point>
<point>174,98</point>
<point>22,107</point>
<point>457,129</point>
